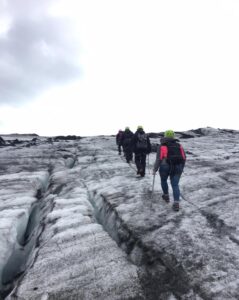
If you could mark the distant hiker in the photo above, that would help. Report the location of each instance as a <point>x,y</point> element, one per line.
<point>119,137</point>
<point>170,160</point>
<point>127,142</point>
<point>141,147</point>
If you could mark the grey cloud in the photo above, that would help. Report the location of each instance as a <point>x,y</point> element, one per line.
<point>39,51</point>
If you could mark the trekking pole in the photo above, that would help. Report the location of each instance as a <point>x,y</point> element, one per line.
<point>152,193</point>
<point>153,187</point>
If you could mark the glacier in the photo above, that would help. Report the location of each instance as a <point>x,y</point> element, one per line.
<point>76,223</point>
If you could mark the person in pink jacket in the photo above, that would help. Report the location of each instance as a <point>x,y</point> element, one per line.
<point>170,161</point>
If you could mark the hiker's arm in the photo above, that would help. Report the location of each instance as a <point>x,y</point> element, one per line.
<point>149,146</point>
<point>157,161</point>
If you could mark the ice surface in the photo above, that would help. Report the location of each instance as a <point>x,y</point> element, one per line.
<point>141,249</point>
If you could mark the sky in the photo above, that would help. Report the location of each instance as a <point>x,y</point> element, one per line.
<point>94,67</point>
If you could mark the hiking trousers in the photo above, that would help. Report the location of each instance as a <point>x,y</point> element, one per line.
<point>140,161</point>
<point>128,155</point>
<point>119,148</point>
<point>173,172</point>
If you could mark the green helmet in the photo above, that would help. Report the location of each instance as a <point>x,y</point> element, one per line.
<point>127,128</point>
<point>169,134</point>
<point>140,127</point>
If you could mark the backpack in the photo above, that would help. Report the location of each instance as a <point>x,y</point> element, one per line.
<point>142,143</point>
<point>174,154</point>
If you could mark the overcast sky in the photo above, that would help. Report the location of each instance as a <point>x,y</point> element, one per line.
<point>92,67</point>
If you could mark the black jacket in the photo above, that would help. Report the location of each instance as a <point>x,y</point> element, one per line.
<point>127,139</point>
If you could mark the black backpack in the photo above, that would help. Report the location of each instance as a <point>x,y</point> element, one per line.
<point>142,143</point>
<point>174,154</point>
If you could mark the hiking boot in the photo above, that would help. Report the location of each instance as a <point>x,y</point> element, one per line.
<point>175,206</point>
<point>165,197</point>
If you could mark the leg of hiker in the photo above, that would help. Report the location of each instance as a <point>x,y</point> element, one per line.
<point>164,173</point>
<point>174,183</point>
<point>137,161</point>
<point>128,155</point>
<point>143,164</point>
<point>174,178</point>
<point>119,149</point>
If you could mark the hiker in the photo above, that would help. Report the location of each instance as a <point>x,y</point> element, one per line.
<point>170,160</point>
<point>127,143</point>
<point>141,147</point>
<point>119,136</point>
